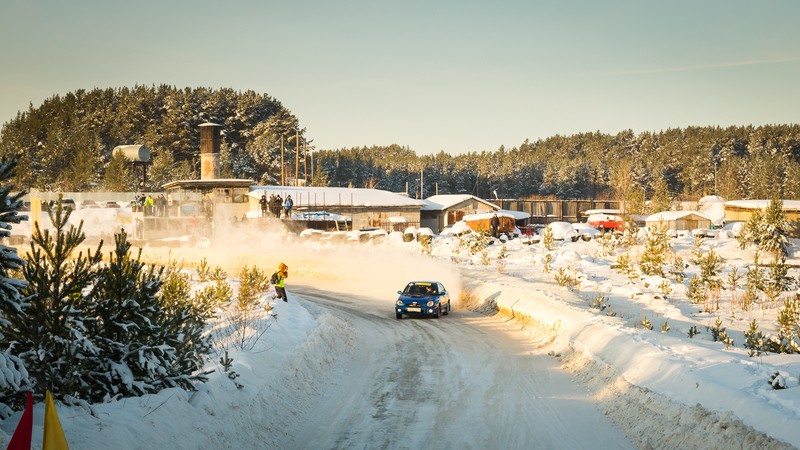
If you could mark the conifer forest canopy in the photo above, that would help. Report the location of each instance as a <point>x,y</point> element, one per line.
<point>67,143</point>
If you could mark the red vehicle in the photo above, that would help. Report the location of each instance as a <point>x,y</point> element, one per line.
<point>606,222</point>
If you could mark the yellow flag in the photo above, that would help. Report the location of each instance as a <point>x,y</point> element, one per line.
<point>53,438</point>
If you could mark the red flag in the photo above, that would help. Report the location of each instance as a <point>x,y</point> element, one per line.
<point>21,440</point>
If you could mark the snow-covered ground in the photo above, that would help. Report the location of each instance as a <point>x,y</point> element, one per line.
<point>662,387</point>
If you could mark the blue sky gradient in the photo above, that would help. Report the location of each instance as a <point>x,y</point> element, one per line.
<point>449,76</point>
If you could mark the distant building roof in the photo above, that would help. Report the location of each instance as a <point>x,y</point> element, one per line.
<point>444,201</point>
<point>209,184</point>
<point>788,205</point>
<point>667,216</point>
<point>326,196</point>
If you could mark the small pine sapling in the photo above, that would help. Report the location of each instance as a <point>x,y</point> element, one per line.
<point>693,331</point>
<point>646,323</point>
<point>565,278</point>
<point>548,239</point>
<point>754,340</point>
<point>665,326</point>
<point>203,271</point>
<point>666,288</point>
<point>677,268</point>
<point>716,330</point>
<point>600,303</point>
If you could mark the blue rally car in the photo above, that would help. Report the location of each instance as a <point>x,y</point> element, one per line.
<point>423,298</point>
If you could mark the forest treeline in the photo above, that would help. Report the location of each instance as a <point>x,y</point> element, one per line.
<point>67,143</point>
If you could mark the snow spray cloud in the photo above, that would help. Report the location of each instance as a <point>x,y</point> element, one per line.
<point>373,269</point>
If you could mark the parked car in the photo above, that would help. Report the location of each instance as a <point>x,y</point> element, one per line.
<point>89,204</point>
<point>586,231</point>
<point>67,203</point>
<point>423,298</point>
<point>563,231</point>
<point>112,205</point>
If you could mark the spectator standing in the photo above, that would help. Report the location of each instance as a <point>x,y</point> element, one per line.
<point>148,206</point>
<point>161,205</point>
<point>263,204</point>
<point>276,207</point>
<point>495,224</point>
<point>287,205</point>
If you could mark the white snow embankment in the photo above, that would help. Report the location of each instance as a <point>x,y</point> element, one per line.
<point>250,406</point>
<point>684,371</point>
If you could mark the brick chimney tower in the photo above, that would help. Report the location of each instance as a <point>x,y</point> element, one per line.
<point>209,150</point>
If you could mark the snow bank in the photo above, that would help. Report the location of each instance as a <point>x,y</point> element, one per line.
<point>681,374</point>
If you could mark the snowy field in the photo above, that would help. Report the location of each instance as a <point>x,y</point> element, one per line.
<point>663,388</point>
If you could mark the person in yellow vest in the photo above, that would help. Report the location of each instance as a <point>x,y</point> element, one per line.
<point>278,281</point>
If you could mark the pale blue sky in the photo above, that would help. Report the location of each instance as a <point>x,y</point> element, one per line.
<point>432,75</point>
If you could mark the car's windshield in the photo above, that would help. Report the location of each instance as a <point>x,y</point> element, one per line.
<point>420,289</point>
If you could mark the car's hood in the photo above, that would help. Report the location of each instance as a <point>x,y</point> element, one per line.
<point>417,298</point>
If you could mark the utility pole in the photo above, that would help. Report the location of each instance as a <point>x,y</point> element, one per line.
<point>296,157</point>
<point>281,160</point>
<point>421,183</point>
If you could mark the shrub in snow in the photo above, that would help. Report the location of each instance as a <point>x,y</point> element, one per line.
<point>665,326</point>
<point>693,331</point>
<point>565,278</point>
<point>245,313</point>
<point>624,266</point>
<point>777,381</point>
<point>607,245</point>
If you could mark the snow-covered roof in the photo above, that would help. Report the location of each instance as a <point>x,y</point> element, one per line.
<point>667,216</point>
<point>517,215</point>
<point>488,215</point>
<point>305,196</point>
<point>603,218</point>
<point>708,199</point>
<point>591,212</point>
<point>788,205</point>
<point>444,201</point>
<point>320,216</point>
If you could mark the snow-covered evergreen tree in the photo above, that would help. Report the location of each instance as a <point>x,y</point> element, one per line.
<point>132,358</point>
<point>13,375</point>
<point>49,330</point>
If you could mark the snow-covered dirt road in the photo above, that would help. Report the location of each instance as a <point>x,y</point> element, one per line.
<point>463,381</point>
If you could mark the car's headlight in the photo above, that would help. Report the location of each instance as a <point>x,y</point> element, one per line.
<point>430,302</point>
<point>399,303</point>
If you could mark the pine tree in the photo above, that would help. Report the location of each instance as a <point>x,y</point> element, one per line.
<point>656,251</point>
<point>50,329</point>
<point>132,358</point>
<point>118,176</point>
<point>13,374</point>
<point>775,228</point>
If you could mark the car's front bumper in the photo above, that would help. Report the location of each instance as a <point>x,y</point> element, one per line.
<point>418,310</point>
